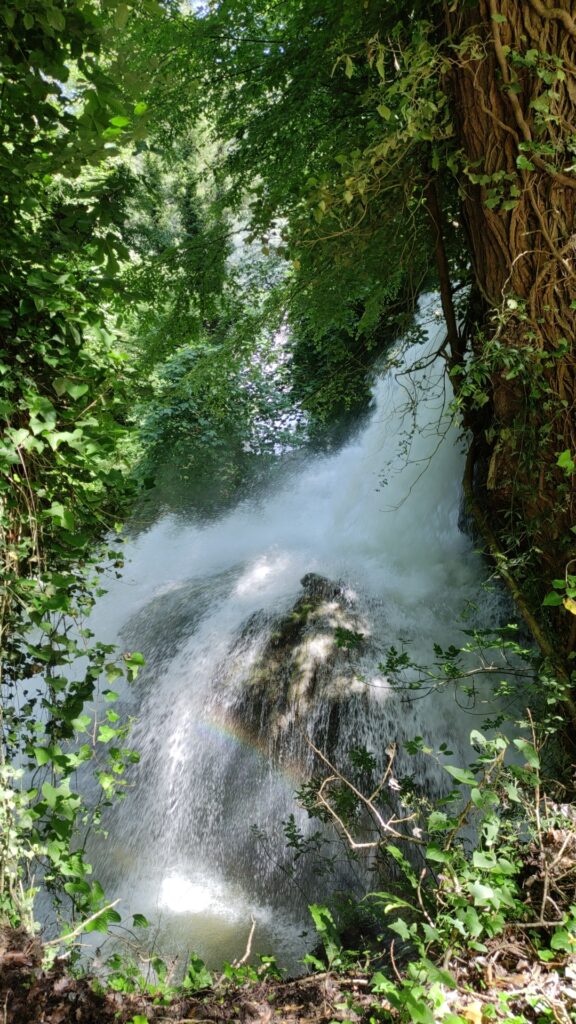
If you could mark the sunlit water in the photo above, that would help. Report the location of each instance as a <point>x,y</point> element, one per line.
<point>381,515</point>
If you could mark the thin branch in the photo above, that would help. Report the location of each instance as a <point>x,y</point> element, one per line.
<point>80,928</point>
<point>248,950</point>
<point>386,827</point>
<point>453,335</point>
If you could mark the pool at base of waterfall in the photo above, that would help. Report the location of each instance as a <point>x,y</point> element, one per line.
<point>191,912</point>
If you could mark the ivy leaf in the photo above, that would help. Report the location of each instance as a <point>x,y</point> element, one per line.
<point>77,390</point>
<point>419,1012</point>
<point>103,921</point>
<point>197,975</point>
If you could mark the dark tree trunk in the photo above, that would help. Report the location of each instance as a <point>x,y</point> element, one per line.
<point>513,87</point>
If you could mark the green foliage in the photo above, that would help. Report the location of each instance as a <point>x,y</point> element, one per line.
<point>241,974</point>
<point>349,639</point>
<point>323,127</point>
<point>212,387</point>
<point>326,929</point>
<point>210,412</point>
<point>340,290</point>
<point>197,976</point>
<point>67,109</point>
<point>124,974</point>
<point>461,882</point>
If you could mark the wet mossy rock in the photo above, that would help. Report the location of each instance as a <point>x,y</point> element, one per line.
<point>311,657</point>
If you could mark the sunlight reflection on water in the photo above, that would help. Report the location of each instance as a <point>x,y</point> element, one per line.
<point>182,896</point>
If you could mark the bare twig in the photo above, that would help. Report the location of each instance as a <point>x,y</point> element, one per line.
<point>386,827</point>
<point>80,928</point>
<point>248,950</point>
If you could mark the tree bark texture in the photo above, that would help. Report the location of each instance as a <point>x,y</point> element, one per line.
<point>513,87</point>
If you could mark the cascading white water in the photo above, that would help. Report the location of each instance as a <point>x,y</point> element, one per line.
<point>381,515</point>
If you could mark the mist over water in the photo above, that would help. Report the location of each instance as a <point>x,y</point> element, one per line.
<point>381,517</point>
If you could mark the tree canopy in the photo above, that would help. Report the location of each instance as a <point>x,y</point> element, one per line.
<point>386,149</point>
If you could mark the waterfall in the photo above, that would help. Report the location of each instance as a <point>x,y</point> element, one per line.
<point>200,599</point>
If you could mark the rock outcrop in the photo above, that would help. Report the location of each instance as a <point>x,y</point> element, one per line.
<point>308,666</point>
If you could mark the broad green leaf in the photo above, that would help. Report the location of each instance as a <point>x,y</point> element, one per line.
<point>401,928</point>
<point>121,16</point>
<point>463,775</point>
<point>472,922</point>
<point>483,894</point>
<point>103,921</point>
<point>77,390</point>
<point>565,461</point>
<point>134,658</point>
<point>81,723</point>
<point>50,794</point>
<point>437,821</point>
<point>106,733</point>
<point>55,18</point>
<point>527,749</point>
<point>62,515</point>
<point>564,940</point>
<point>486,861</point>
<point>435,853</point>
<point>419,1012</point>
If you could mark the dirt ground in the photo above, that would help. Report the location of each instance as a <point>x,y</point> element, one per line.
<point>30,995</point>
<point>507,981</point>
